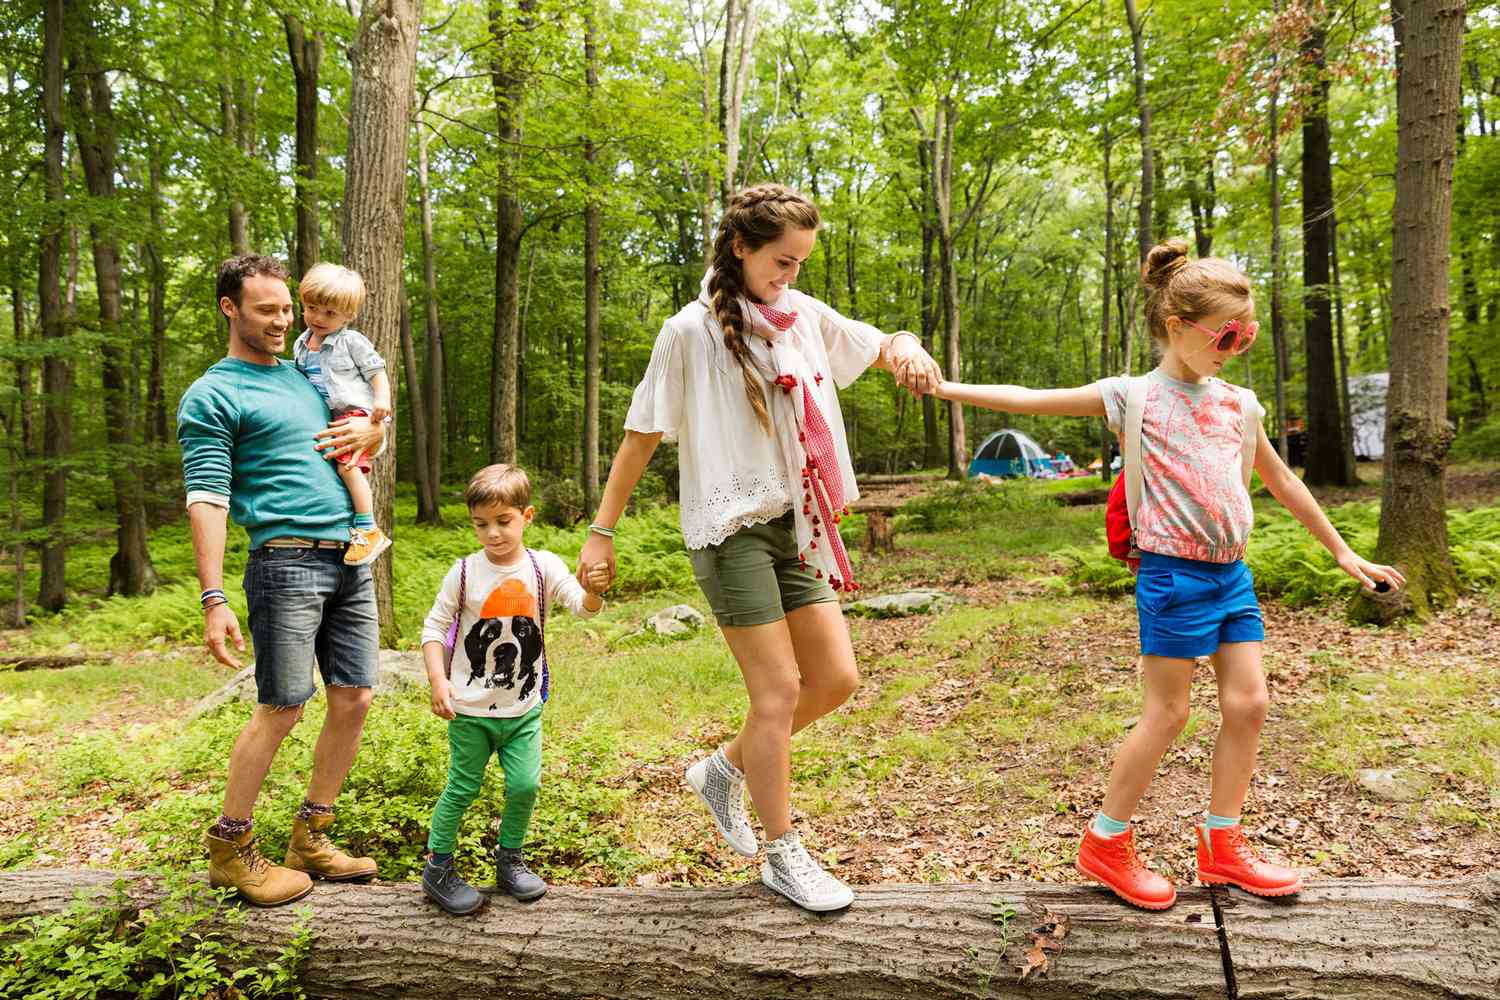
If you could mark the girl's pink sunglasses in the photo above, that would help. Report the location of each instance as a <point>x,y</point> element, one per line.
<point>1233,337</point>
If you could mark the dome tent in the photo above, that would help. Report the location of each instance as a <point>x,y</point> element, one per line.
<point>1009,453</point>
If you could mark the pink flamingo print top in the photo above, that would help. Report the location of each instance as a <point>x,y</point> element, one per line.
<point>1194,504</point>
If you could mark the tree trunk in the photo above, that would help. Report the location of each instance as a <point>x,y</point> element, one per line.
<point>57,369</point>
<point>1105,472</point>
<point>157,430</point>
<point>734,70</point>
<point>1325,465</point>
<point>418,410</point>
<point>306,55</point>
<point>1413,524</point>
<point>383,62</point>
<point>590,467</point>
<point>1278,331</point>
<point>931,448</point>
<point>1143,108</point>
<point>131,573</point>
<point>1355,940</point>
<point>1343,354</point>
<point>945,232</point>
<point>1202,201</point>
<point>432,392</point>
<point>507,78</point>
<point>231,85</point>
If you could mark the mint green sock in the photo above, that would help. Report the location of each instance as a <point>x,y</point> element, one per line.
<point>1221,822</point>
<point>1105,826</point>
<point>364,522</point>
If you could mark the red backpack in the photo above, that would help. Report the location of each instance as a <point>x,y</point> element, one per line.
<point>1125,495</point>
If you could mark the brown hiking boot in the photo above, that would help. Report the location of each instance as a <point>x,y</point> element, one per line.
<point>312,852</point>
<point>239,864</point>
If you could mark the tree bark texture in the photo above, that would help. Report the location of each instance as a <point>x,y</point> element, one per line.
<point>1338,941</point>
<point>1143,113</point>
<point>507,78</point>
<point>306,54</point>
<point>130,570</point>
<point>1325,464</point>
<point>432,391</point>
<point>1278,329</point>
<point>383,60</point>
<point>590,464</point>
<point>57,369</point>
<point>1413,521</point>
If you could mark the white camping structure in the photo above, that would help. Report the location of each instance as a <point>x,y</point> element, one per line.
<point>1367,408</point>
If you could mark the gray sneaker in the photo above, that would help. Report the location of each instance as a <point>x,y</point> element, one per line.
<point>721,786</point>
<point>791,871</point>
<point>513,877</point>
<point>443,886</point>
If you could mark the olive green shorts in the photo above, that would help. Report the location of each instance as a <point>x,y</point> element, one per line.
<point>755,576</point>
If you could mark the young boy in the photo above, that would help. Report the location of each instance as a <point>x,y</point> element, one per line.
<point>350,374</point>
<point>494,604</point>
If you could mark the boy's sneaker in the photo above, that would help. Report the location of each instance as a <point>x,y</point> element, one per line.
<point>721,786</point>
<point>791,871</point>
<point>365,546</point>
<point>443,886</point>
<point>1225,857</point>
<point>513,877</point>
<point>1112,862</point>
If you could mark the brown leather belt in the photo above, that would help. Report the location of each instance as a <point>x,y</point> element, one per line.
<point>290,542</point>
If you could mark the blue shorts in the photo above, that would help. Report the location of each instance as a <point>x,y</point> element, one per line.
<point>306,603</point>
<point>1188,608</point>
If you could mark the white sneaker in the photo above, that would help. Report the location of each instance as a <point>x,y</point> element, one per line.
<point>791,871</point>
<point>721,786</point>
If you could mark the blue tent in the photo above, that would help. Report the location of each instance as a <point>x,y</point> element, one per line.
<point>1010,453</point>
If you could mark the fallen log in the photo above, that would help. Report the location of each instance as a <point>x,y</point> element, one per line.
<point>45,662</point>
<point>1387,940</point>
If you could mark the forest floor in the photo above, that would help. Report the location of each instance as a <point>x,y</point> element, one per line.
<point>975,749</point>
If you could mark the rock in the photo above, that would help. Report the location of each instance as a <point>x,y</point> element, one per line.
<point>398,668</point>
<point>1394,784</point>
<point>913,602</point>
<point>679,619</point>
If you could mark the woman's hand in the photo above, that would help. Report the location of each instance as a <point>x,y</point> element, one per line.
<point>597,578</point>
<point>598,553</point>
<point>349,436</point>
<point>1371,575</point>
<point>910,363</point>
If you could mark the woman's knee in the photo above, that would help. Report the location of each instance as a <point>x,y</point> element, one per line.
<point>776,701</point>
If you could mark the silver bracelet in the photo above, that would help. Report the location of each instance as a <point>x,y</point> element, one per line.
<point>600,529</point>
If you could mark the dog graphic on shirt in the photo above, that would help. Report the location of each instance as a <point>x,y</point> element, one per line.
<point>505,644</point>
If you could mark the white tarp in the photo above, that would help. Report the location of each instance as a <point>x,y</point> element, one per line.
<point>1367,406</point>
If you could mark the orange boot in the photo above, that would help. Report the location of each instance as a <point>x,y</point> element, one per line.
<point>1112,862</point>
<point>1225,857</point>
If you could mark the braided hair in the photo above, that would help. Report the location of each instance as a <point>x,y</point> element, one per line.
<point>754,217</point>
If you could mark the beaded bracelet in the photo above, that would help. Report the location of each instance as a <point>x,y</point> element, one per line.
<point>600,529</point>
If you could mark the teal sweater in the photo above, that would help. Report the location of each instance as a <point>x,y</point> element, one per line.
<point>246,432</point>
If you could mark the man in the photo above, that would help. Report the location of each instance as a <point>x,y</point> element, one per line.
<point>251,430</point>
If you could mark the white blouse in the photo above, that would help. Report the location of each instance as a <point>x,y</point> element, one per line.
<point>732,474</point>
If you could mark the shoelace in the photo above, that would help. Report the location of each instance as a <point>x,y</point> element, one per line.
<point>357,537</point>
<point>251,856</point>
<point>803,867</point>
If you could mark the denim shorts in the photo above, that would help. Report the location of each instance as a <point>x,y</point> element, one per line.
<point>1188,608</point>
<point>306,603</point>
<point>755,576</point>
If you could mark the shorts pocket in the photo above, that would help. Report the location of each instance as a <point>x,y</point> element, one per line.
<point>1154,591</point>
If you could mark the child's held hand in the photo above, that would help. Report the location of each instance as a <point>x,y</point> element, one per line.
<point>442,698</point>
<point>1370,575</point>
<point>597,578</point>
<point>378,413</point>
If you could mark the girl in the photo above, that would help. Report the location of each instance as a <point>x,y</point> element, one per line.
<point>744,379</point>
<point>1194,594</point>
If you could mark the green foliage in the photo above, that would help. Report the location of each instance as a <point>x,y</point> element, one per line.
<point>180,948</point>
<point>1481,442</point>
<point>970,503</point>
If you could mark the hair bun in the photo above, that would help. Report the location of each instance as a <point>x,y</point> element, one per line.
<point>1164,261</point>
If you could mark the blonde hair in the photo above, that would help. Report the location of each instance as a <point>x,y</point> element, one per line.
<point>755,216</point>
<point>506,485</point>
<point>333,286</point>
<point>1191,289</point>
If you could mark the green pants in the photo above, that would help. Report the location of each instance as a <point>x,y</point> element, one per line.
<point>471,742</point>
